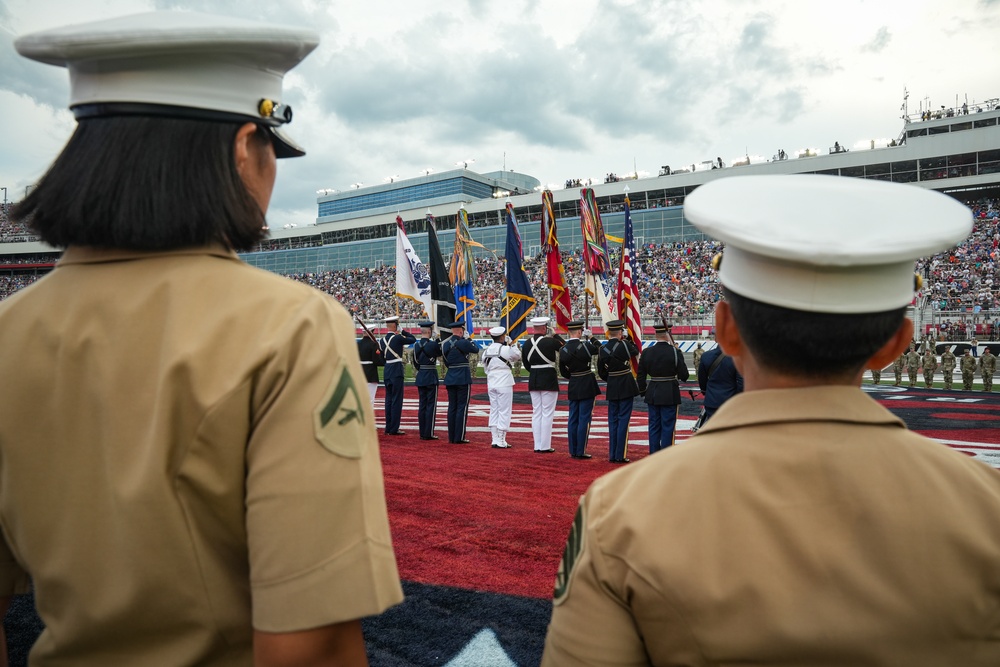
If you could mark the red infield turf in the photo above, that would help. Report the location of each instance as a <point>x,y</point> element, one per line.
<point>495,520</point>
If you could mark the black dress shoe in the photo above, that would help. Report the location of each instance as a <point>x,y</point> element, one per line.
<point>429,437</point>
<point>619,460</point>
<point>395,432</point>
<point>544,451</point>
<point>582,456</point>
<point>461,442</point>
<point>501,446</point>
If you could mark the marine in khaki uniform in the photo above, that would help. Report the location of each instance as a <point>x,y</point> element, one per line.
<point>930,365</point>
<point>968,370</point>
<point>948,362</point>
<point>898,364</point>
<point>987,366</point>
<point>805,550</point>
<point>191,472</point>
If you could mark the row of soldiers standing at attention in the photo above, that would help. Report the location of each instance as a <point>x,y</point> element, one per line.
<point>927,363</point>
<point>657,374</point>
<point>656,377</point>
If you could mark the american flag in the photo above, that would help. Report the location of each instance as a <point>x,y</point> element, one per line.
<point>627,296</point>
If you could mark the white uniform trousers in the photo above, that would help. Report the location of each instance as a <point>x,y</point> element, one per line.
<point>372,390</point>
<point>543,410</point>
<point>501,400</point>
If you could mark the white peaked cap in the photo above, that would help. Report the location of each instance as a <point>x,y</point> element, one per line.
<point>826,244</point>
<point>539,321</point>
<point>497,331</point>
<point>163,63</point>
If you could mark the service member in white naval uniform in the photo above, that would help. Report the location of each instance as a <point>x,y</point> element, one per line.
<point>539,355</point>
<point>498,360</point>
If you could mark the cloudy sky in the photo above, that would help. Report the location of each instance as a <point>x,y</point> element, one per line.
<point>557,88</point>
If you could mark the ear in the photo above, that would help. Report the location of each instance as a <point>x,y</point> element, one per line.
<point>726,333</point>
<point>893,347</point>
<point>241,146</point>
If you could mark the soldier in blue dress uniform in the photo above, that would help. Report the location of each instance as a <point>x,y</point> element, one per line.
<point>663,365</point>
<point>614,364</point>
<point>575,365</point>
<point>425,354</point>
<point>458,379</point>
<point>371,358</point>
<point>392,345</point>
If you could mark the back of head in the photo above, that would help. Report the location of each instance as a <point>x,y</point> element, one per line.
<point>818,270</point>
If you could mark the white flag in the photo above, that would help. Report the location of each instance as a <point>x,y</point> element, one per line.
<point>412,278</point>
<point>599,287</point>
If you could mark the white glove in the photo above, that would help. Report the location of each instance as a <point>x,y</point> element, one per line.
<point>587,333</point>
<point>507,340</point>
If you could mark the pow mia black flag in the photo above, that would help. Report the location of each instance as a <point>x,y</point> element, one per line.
<point>442,295</point>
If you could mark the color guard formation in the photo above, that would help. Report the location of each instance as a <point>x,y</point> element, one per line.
<point>654,374</point>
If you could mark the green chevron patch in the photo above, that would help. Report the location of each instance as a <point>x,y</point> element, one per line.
<point>340,419</point>
<point>571,554</point>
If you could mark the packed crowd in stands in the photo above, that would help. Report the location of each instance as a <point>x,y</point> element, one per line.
<point>674,278</point>
<point>11,283</point>
<point>11,232</point>
<point>966,278</point>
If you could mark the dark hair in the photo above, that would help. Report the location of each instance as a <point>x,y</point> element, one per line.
<point>144,183</point>
<point>800,343</point>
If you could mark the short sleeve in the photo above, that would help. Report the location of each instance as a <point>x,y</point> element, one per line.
<point>317,526</point>
<point>590,624</point>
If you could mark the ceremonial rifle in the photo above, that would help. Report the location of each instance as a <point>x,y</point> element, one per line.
<point>366,330</point>
<point>667,327</point>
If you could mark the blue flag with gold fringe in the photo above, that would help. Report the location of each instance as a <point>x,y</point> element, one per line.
<point>519,300</point>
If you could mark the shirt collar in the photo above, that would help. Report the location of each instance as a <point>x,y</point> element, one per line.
<point>91,255</point>
<point>810,404</point>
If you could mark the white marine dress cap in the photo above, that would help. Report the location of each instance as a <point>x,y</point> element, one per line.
<point>178,65</point>
<point>826,244</point>
<point>539,321</point>
<point>391,319</point>
<point>498,331</point>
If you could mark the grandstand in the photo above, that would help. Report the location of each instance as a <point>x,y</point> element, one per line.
<point>349,250</point>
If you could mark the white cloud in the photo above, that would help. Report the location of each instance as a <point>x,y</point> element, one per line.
<point>568,88</point>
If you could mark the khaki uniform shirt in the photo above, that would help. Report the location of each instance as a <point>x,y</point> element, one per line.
<point>187,452</point>
<point>799,527</point>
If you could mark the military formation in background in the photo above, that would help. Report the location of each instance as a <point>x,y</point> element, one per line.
<point>928,363</point>
<point>654,373</point>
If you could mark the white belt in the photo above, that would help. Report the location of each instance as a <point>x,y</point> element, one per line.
<point>393,361</point>
<point>367,362</point>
